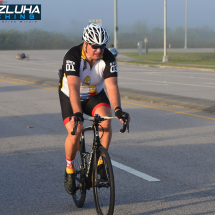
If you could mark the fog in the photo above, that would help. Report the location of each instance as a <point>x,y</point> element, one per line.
<point>71,16</point>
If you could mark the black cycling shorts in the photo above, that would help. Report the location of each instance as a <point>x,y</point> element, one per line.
<point>88,106</point>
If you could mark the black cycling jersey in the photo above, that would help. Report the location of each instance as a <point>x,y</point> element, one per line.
<point>92,79</point>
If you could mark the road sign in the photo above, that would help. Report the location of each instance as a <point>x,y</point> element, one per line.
<point>96,21</point>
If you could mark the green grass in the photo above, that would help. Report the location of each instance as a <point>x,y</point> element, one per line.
<point>177,58</point>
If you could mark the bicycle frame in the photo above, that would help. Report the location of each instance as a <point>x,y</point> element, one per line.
<point>96,144</point>
<point>87,168</point>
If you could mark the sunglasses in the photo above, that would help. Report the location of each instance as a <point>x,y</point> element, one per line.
<point>97,47</point>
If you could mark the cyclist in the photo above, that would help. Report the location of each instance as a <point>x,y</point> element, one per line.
<point>22,56</point>
<point>113,50</point>
<point>86,67</point>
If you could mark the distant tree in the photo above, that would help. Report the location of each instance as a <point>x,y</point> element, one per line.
<point>128,37</point>
<point>34,39</point>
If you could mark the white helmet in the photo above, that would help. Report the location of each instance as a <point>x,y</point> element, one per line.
<point>95,34</point>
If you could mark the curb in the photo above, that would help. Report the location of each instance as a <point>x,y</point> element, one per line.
<point>200,105</point>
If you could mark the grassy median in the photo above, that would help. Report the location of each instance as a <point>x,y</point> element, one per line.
<point>198,59</point>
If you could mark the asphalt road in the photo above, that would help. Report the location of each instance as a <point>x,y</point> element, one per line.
<point>175,146</point>
<point>184,88</point>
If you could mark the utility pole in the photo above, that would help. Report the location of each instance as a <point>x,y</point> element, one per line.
<point>165,58</point>
<point>115,25</point>
<point>185,46</point>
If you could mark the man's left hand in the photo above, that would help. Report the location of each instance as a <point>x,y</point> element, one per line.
<point>122,116</point>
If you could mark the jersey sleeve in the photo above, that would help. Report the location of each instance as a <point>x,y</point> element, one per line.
<point>111,67</point>
<point>71,63</point>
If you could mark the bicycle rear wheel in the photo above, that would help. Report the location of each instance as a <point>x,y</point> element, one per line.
<point>79,196</point>
<point>103,185</point>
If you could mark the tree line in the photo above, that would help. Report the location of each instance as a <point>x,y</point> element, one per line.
<point>33,39</point>
<point>203,37</point>
<point>38,39</point>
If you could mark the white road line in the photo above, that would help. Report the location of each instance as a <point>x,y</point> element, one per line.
<point>142,69</point>
<point>173,75</point>
<point>167,82</point>
<point>30,68</point>
<point>170,71</point>
<point>133,171</point>
<point>163,84</point>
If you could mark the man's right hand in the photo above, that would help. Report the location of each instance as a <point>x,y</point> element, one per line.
<point>77,117</point>
<point>77,122</point>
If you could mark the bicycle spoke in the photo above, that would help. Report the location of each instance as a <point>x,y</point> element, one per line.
<point>104,193</point>
<point>80,194</point>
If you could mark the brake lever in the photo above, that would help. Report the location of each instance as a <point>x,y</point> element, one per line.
<point>125,126</point>
<point>74,132</point>
<point>127,123</point>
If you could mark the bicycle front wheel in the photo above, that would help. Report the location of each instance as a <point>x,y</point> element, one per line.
<point>79,196</point>
<point>103,182</point>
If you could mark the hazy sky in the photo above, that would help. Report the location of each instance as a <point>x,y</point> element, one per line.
<point>70,15</point>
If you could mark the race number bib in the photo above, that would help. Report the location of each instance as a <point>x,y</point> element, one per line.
<point>113,67</point>
<point>70,65</point>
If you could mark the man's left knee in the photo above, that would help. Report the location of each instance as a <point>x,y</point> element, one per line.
<point>106,125</point>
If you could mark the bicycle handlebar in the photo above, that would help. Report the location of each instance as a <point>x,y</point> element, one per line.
<point>113,117</point>
<point>92,118</point>
<point>100,119</point>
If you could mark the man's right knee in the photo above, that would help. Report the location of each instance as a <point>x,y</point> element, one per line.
<point>70,129</point>
<point>73,141</point>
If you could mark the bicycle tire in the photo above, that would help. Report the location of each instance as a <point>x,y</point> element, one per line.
<point>103,191</point>
<point>79,196</point>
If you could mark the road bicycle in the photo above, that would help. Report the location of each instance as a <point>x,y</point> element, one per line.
<point>88,172</point>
